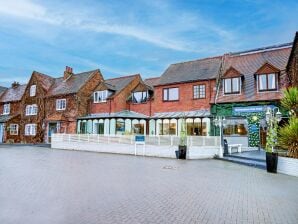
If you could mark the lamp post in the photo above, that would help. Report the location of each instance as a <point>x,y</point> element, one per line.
<point>273,117</point>
<point>220,121</point>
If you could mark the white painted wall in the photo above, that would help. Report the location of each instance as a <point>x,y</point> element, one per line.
<point>287,166</point>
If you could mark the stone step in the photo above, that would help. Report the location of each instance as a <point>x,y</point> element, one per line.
<point>246,162</point>
<point>245,157</point>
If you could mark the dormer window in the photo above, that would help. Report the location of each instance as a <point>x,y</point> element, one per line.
<point>60,104</point>
<point>267,82</point>
<point>33,90</point>
<point>101,96</point>
<point>232,85</point>
<point>139,97</point>
<point>6,109</point>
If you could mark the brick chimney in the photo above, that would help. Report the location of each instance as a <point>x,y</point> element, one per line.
<point>15,84</point>
<point>67,73</point>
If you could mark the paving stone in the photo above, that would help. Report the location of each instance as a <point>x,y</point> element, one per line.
<point>40,185</point>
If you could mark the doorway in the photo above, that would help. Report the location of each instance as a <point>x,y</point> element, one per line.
<point>52,130</point>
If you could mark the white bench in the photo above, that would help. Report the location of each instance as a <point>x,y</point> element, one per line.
<point>230,146</point>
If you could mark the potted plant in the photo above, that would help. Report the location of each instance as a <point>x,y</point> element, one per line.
<point>182,148</point>
<point>271,140</point>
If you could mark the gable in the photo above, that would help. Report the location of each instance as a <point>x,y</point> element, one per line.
<point>267,68</point>
<point>231,72</point>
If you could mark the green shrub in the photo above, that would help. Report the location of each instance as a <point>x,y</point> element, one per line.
<point>288,137</point>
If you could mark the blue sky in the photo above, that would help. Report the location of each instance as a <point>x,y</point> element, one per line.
<point>129,37</point>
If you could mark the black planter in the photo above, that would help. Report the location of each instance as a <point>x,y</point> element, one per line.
<point>181,152</point>
<point>271,161</point>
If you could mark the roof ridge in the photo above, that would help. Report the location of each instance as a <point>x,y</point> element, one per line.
<point>200,59</point>
<point>262,49</point>
<point>152,78</point>
<point>79,73</point>
<point>122,77</point>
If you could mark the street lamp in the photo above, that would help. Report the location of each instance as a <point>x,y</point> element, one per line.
<point>220,122</point>
<point>273,117</point>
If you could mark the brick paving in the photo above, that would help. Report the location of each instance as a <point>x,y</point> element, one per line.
<point>39,185</point>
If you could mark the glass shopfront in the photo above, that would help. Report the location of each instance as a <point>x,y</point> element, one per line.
<point>235,127</point>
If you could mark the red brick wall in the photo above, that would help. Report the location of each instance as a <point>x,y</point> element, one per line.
<point>186,101</point>
<point>143,108</point>
<point>118,102</point>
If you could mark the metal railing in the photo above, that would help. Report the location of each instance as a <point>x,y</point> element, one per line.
<point>130,139</point>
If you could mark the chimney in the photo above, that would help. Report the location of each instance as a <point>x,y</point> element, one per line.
<point>67,73</point>
<point>15,84</point>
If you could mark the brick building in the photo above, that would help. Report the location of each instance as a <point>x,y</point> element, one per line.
<point>292,66</point>
<point>111,107</point>
<point>249,83</point>
<point>10,115</point>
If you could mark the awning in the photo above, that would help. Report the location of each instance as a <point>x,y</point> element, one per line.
<point>122,114</point>
<point>5,118</point>
<point>185,114</point>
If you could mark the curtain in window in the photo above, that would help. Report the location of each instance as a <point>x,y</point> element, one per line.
<point>262,82</point>
<point>271,81</point>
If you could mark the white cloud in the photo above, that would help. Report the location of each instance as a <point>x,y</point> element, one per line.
<point>168,37</point>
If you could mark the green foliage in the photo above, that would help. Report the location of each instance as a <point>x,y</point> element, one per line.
<point>183,137</point>
<point>271,140</point>
<point>288,137</point>
<point>290,100</point>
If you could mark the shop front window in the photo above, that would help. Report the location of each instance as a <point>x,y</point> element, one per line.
<point>120,126</point>
<point>235,127</point>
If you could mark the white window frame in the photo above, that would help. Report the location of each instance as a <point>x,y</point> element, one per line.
<point>33,90</point>
<point>6,109</point>
<point>31,110</point>
<point>100,96</point>
<point>13,129</point>
<point>60,104</point>
<point>30,129</point>
<point>233,91</point>
<point>167,94</point>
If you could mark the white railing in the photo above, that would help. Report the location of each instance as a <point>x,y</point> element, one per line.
<point>130,139</point>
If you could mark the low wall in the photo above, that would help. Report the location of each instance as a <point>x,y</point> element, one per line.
<point>287,166</point>
<point>165,151</point>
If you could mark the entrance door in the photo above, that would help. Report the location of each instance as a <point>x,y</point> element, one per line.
<point>1,132</point>
<point>52,130</point>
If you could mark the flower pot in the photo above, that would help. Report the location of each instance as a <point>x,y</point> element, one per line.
<point>271,161</point>
<point>182,151</point>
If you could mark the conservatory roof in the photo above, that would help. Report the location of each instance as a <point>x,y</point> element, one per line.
<point>121,114</point>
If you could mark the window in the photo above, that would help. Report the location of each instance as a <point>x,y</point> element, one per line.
<point>199,92</point>
<point>6,108</point>
<point>139,97</point>
<point>171,94</point>
<point>30,129</point>
<point>235,127</point>
<point>13,129</point>
<point>31,109</point>
<point>101,96</point>
<point>267,82</point>
<point>232,85</point>
<point>61,104</point>
<point>33,90</point>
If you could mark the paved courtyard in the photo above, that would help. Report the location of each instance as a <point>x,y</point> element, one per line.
<point>40,185</point>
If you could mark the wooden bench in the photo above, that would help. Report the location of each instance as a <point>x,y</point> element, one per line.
<point>230,146</point>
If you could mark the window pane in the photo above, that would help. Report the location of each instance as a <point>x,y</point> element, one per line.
<point>196,92</point>
<point>271,81</point>
<point>227,85</point>
<point>137,97</point>
<point>202,91</point>
<point>165,94</point>
<point>173,94</point>
<point>262,82</point>
<point>235,85</point>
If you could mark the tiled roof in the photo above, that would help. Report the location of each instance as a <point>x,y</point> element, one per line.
<point>2,90</point>
<point>45,80</point>
<point>152,81</point>
<point>71,85</point>
<point>13,94</point>
<point>117,84</point>
<point>202,69</point>
<point>121,114</point>
<point>248,64</point>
